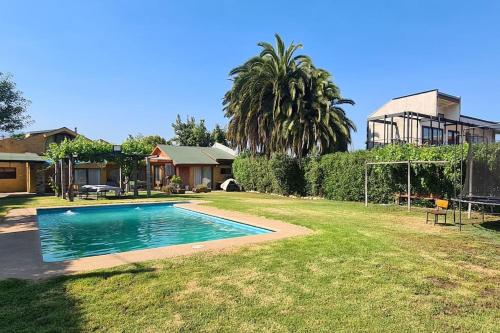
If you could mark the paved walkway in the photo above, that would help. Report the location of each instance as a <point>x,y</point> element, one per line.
<point>20,252</point>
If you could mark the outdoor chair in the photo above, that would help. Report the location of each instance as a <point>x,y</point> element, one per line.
<point>440,209</point>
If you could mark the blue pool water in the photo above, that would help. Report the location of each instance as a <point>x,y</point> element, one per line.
<point>73,233</point>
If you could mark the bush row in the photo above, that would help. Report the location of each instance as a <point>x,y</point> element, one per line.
<point>340,176</point>
<point>281,174</point>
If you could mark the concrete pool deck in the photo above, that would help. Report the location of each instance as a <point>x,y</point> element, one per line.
<point>21,257</point>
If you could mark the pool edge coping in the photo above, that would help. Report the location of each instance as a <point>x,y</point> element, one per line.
<point>30,252</point>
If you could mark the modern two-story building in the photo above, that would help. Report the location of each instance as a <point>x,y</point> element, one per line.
<point>429,117</point>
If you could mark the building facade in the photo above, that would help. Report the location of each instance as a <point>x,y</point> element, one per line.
<point>209,166</point>
<point>429,117</point>
<point>22,165</point>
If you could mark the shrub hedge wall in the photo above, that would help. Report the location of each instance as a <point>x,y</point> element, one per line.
<point>340,176</point>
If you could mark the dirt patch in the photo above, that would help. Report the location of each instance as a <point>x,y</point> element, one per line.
<point>441,282</point>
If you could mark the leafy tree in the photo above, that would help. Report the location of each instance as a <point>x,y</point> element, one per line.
<point>18,136</point>
<point>80,148</point>
<point>190,133</point>
<point>153,140</point>
<point>218,135</point>
<point>280,102</point>
<point>13,106</point>
<point>139,144</point>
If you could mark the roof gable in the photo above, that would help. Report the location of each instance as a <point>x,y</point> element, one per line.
<point>52,132</point>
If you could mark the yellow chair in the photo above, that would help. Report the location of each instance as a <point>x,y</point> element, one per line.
<point>440,209</point>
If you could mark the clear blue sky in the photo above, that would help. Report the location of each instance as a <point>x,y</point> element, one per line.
<point>117,67</point>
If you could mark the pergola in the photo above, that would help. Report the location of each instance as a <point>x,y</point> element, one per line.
<point>408,163</point>
<point>115,155</point>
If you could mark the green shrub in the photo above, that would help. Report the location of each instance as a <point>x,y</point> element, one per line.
<point>243,174</point>
<point>343,173</point>
<point>281,174</point>
<point>341,176</point>
<point>287,175</point>
<point>313,176</point>
<point>253,173</point>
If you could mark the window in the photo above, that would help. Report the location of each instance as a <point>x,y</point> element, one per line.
<point>432,135</point>
<point>452,137</point>
<point>87,176</point>
<point>426,134</point>
<point>8,173</point>
<point>225,171</point>
<point>81,176</point>
<point>437,136</point>
<point>169,169</point>
<point>94,176</point>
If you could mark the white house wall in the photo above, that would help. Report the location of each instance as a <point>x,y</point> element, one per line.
<point>425,103</point>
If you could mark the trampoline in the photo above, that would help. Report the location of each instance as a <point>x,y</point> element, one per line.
<point>481,186</point>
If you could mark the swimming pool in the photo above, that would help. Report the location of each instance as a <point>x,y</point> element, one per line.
<point>72,233</point>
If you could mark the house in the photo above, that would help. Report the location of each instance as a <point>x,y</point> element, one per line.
<point>209,166</point>
<point>22,165</point>
<point>23,168</point>
<point>429,117</point>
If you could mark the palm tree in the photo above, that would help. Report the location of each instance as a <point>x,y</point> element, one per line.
<point>280,102</point>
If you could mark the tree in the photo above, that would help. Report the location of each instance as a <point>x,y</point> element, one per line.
<point>280,102</point>
<point>13,106</point>
<point>153,140</point>
<point>218,135</point>
<point>190,133</point>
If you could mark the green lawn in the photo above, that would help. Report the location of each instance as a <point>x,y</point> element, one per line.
<point>364,269</point>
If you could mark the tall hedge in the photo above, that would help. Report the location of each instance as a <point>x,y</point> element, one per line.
<point>340,176</point>
<point>281,174</point>
<point>343,173</point>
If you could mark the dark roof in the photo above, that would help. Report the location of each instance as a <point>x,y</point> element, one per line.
<point>478,119</point>
<point>42,131</point>
<point>22,157</point>
<point>195,155</point>
<point>60,129</point>
<point>418,93</point>
<point>443,95</point>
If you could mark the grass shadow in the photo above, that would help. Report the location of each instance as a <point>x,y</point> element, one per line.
<point>28,306</point>
<point>47,305</point>
<point>491,225</point>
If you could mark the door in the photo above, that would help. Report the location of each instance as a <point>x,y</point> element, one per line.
<point>184,174</point>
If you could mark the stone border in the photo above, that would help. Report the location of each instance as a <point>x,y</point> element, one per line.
<point>20,252</point>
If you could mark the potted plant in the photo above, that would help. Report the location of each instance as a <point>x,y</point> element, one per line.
<point>201,188</point>
<point>176,181</point>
